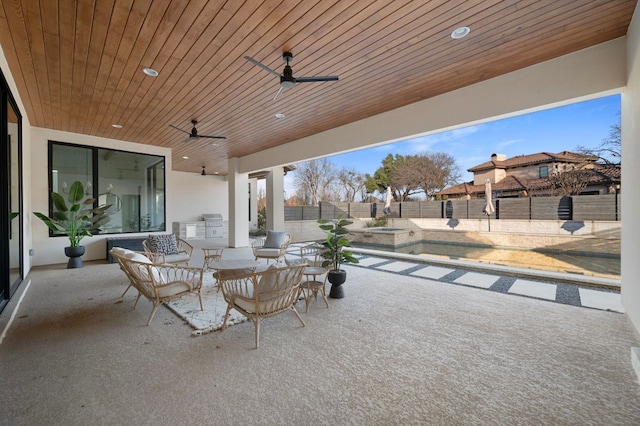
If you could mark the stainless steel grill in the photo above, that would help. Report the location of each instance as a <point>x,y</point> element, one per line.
<point>213,225</point>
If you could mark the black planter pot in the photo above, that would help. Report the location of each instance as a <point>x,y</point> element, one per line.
<point>74,254</point>
<point>336,278</point>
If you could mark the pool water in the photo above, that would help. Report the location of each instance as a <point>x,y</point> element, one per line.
<point>596,266</point>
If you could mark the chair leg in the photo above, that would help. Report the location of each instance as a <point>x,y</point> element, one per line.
<point>200,297</point>
<point>135,305</point>
<point>324,296</point>
<point>125,292</point>
<point>226,316</point>
<point>257,323</point>
<point>307,300</point>
<point>295,311</point>
<point>153,312</point>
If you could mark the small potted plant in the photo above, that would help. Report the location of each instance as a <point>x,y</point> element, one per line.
<point>74,220</point>
<point>335,254</point>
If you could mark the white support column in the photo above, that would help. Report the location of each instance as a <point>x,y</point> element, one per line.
<point>238,205</point>
<point>275,199</point>
<point>253,204</point>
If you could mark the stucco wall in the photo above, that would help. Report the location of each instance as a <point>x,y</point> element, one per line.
<point>631,176</point>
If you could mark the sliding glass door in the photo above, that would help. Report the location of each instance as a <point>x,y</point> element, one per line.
<point>11,213</point>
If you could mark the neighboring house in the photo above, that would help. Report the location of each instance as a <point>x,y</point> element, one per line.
<point>538,174</point>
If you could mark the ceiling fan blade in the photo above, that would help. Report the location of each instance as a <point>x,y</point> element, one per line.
<point>212,137</point>
<point>279,92</point>
<point>320,78</point>
<point>178,128</point>
<point>264,67</point>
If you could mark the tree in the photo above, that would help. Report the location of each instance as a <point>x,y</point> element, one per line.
<point>351,184</point>
<point>427,173</point>
<point>570,182</point>
<point>384,177</point>
<point>609,150</point>
<point>313,180</point>
<point>414,174</point>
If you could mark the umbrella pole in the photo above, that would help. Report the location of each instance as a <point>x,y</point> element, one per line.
<point>489,221</point>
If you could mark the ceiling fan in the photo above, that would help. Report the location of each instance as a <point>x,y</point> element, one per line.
<point>193,134</point>
<point>204,173</point>
<point>287,80</point>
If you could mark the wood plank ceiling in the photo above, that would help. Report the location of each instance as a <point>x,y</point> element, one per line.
<point>78,63</point>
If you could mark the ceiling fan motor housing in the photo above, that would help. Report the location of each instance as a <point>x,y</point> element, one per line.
<point>287,80</point>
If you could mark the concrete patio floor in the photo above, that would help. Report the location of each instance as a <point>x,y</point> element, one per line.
<point>398,349</point>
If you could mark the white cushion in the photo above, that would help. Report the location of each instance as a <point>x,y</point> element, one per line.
<point>138,257</point>
<point>173,289</point>
<point>173,258</point>
<point>121,251</point>
<point>268,282</point>
<point>267,252</point>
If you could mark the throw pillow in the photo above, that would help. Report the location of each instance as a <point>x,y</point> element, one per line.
<point>268,282</point>
<point>274,239</point>
<point>165,244</point>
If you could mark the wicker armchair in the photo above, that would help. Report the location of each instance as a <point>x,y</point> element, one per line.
<point>159,283</point>
<point>182,257</point>
<point>273,246</point>
<point>259,295</point>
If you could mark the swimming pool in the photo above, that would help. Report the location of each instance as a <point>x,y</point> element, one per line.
<point>400,241</point>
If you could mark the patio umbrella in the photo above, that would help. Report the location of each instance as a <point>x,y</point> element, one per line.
<point>387,204</point>
<point>488,205</point>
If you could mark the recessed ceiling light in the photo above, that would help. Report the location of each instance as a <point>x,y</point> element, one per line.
<point>215,173</point>
<point>185,158</point>
<point>150,71</point>
<point>117,126</point>
<point>280,115</point>
<point>460,32</point>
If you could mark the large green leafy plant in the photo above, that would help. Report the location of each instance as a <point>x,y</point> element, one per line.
<point>79,218</point>
<point>335,253</point>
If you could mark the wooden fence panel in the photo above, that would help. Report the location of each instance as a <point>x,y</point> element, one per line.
<point>582,207</point>
<point>311,213</point>
<point>475,209</point>
<point>513,208</point>
<point>410,209</point>
<point>551,208</point>
<point>432,209</point>
<point>361,210</point>
<point>619,205</point>
<point>293,213</point>
<point>456,209</point>
<point>594,207</point>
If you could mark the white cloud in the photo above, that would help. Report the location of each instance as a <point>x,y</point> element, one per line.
<point>504,144</point>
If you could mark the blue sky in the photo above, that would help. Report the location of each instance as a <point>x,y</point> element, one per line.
<point>553,130</point>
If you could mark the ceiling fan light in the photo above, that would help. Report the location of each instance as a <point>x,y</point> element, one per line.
<point>285,84</point>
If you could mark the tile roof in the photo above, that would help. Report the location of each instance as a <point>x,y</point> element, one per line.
<point>538,158</point>
<point>600,174</point>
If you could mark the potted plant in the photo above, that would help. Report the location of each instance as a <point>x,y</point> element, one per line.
<point>335,254</point>
<point>78,219</point>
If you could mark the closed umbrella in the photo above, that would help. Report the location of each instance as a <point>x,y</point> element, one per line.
<point>488,205</point>
<point>387,204</point>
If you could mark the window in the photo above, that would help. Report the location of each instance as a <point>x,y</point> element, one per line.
<point>134,184</point>
<point>543,171</point>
